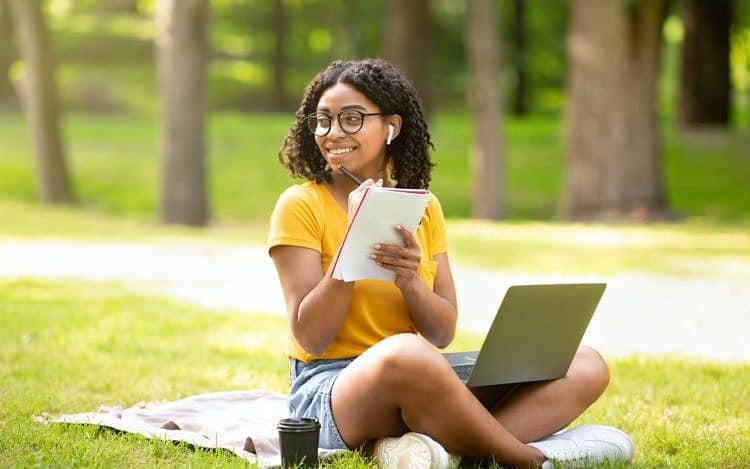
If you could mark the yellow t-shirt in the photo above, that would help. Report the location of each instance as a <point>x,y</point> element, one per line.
<point>307,215</point>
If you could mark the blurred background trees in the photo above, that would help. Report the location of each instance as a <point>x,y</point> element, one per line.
<point>614,70</point>
<point>181,59</point>
<point>485,105</point>
<point>705,86</point>
<point>38,93</point>
<point>613,145</point>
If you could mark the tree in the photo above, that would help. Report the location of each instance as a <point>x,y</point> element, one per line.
<point>612,137</point>
<point>6,53</point>
<point>38,95</point>
<point>485,104</point>
<point>407,39</point>
<point>705,88</point>
<point>519,105</point>
<point>181,56</point>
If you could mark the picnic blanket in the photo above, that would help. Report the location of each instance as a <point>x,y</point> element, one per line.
<point>243,422</point>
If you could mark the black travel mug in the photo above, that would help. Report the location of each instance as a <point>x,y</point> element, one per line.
<point>298,439</point>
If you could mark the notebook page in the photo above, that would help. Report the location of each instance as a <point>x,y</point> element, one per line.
<point>378,214</point>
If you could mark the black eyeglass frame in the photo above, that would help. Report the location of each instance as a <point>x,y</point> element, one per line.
<point>363,115</point>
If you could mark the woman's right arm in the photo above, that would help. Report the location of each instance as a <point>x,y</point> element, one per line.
<point>316,304</point>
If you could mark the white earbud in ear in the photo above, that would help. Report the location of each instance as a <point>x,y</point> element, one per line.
<point>391,129</point>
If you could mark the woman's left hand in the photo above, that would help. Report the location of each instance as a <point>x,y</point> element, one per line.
<point>402,260</point>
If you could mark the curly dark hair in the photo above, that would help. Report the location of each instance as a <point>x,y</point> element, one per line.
<point>408,155</point>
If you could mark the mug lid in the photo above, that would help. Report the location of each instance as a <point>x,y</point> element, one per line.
<point>298,424</point>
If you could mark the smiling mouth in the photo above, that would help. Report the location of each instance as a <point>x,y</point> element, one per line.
<point>340,151</point>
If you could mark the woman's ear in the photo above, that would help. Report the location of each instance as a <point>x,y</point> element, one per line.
<point>394,127</point>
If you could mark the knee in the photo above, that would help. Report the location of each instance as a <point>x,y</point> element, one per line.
<point>591,372</point>
<point>402,357</point>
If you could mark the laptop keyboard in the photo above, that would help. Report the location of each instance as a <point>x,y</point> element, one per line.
<point>462,363</point>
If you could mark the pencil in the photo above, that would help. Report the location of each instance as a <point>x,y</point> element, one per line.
<point>349,173</point>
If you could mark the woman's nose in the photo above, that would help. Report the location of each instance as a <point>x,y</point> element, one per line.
<point>336,127</point>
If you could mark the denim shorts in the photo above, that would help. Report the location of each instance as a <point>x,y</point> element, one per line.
<point>310,395</point>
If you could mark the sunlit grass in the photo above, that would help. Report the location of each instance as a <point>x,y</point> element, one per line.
<point>115,166</point>
<point>677,249</point>
<point>68,347</point>
<point>682,249</point>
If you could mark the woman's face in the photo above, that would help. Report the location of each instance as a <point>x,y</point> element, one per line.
<point>362,152</point>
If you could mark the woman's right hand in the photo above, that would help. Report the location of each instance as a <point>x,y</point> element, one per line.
<point>355,196</point>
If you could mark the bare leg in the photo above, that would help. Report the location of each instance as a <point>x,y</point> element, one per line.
<point>535,410</point>
<point>403,383</point>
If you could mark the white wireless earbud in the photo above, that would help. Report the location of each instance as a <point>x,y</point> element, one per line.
<point>391,128</point>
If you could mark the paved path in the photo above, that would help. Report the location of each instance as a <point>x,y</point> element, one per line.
<point>639,313</point>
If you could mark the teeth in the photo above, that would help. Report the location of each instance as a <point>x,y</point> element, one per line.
<point>338,151</point>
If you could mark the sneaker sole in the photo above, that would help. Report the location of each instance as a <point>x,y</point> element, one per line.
<point>628,442</point>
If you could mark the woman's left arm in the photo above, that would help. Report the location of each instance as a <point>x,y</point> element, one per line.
<point>433,311</point>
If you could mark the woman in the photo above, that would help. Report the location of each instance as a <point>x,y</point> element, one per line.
<point>364,355</point>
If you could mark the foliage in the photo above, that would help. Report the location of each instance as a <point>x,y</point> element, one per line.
<point>70,346</point>
<point>118,34</point>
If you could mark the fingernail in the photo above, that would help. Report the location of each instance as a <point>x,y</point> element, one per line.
<point>373,256</point>
<point>376,246</point>
<point>399,227</point>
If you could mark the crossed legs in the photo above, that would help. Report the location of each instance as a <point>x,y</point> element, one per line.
<point>403,384</point>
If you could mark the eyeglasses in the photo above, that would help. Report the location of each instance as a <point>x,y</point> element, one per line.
<point>350,121</point>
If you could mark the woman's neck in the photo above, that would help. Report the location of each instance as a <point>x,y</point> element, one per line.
<point>343,182</point>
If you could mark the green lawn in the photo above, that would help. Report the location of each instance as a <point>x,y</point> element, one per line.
<point>682,249</point>
<point>114,165</point>
<point>68,347</point>
<point>115,171</point>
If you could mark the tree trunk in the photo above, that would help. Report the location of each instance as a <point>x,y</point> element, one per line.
<point>408,35</point>
<point>6,54</point>
<point>278,59</point>
<point>613,168</point>
<point>39,98</point>
<point>705,88</point>
<point>484,97</point>
<point>519,105</point>
<point>181,56</point>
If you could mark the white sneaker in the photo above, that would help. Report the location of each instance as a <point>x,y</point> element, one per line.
<point>587,444</point>
<point>413,451</point>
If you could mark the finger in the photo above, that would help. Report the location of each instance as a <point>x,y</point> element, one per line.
<point>409,239</point>
<point>394,250</point>
<point>393,262</point>
<point>355,196</point>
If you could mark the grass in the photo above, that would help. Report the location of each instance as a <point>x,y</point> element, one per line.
<point>68,347</point>
<point>115,167</point>
<point>684,249</point>
<point>115,170</point>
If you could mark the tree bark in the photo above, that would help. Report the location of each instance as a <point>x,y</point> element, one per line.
<point>408,31</point>
<point>519,105</point>
<point>6,54</point>
<point>483,50</point>
<point>613,148</point>
<point>705,88</point>
<point>181,55</point>
<point>39,99</point>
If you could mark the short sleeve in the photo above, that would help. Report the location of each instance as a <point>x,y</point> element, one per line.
<point>295,221</point>
<point>437,226</point>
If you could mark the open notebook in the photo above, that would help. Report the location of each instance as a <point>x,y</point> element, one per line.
<point>381,209</point>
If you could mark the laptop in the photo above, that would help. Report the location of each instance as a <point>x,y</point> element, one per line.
<point>534,336</point>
